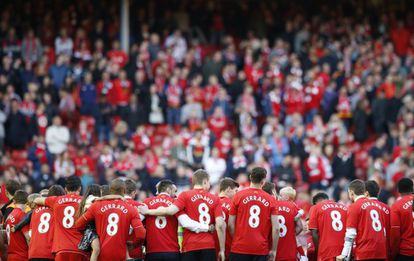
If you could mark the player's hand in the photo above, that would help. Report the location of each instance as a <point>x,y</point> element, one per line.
<point>272,255</point>
<point>221,256</point>
<point>211,228</point>
<point>13,229</point>
<point>143,209</point>
<point>340,258</point>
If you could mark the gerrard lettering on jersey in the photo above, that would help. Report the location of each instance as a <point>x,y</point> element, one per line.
<point>374,204</point>
<point>38,209</point>
<point>66,200</point>
<point>328,206</point>
<point>160,200</point>
<point>408,204</point>
<point>205,198</point>
<point>283,208</point>
<point>112,206</point>
<point>226,206</point>
<point>255,198</point>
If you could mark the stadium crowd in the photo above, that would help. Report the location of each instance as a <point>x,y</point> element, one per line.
<point>316,94</point>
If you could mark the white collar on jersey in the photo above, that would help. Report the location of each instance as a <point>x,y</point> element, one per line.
<point>359,197</point>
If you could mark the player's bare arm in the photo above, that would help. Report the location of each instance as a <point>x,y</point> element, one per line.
<point>161,211</point>
<point>221,233</point>
<point>315,239</point>
<point>40,201</point>
<point>275,237</point>
<point>232,224</point>
<point>298,226</point>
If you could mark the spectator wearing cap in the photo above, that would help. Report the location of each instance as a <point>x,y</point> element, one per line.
<point>57,136</point>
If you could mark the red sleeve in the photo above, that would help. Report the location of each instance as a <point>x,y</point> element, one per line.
<point>395,232</point>
<point>353,217</point>
<point>87,217</point>
<point>137,226</point>
<point>50,201</point>
<point>234,206</point>
<point>313,218</point>
<point>181,201</point>
<point>217,210</point>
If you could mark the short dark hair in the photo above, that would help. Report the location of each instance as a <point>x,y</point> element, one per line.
<point>319,197</point>
<point>405,186</point>
<point>20,197</point>
<point>56,190</point>
<point>12,186</point>
<point>93,189</point>
<point>117,186</point>
<point>163,185</point>
<point>199,176</point>
<point>257,175</point>
<point>130,186</point>
<point>357,186</point>
<point>228,183</point>
<point>371,186</point>
<point>73,183</point>
<point>269,187</point>
<point>105,190</point>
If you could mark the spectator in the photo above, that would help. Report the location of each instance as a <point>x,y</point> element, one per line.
<point>57,136</point>
<point>44,180</point>
<point>178,44</point>
<point>31,47</point>
<point>63,44</point>
<point>63,168</point>
<point>58,72</point>
<point>17,134</point>
<point>215,166</point>
<point>3,118</point>
<point>87,95</point>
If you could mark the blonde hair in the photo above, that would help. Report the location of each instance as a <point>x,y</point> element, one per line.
<point>288,193</point>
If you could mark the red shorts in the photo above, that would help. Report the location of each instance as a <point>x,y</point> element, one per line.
<point>70,256</point>
<point>15,258</point>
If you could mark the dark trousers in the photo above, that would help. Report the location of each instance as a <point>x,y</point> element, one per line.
<point>243,257</point>
<point>199,255</point>
<point>404,258</point>
<point>164,256</point>
<point>40,259</point>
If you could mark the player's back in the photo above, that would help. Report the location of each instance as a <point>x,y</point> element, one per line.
<point>136,250</point>
<point>113,219</point>
<point>252,208</point>
<point>329,218</point>
<point>64,213</point>
<point>364,215</point>
<point>225,204</point>
<point>162,231</point>
<point>286,248</point>
<point>204,207</point>
<point>42,228</point>
<point>18,249</point>
<point>402,216</point>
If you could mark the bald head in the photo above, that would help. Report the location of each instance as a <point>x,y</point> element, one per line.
<point>117,187</point>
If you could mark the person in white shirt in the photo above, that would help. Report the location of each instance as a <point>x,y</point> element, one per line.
<point>57,136</point>
<point>63,44</point>
<point>178,44</point>
<point>215,166</point>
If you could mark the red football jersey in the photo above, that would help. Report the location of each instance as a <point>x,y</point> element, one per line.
<point>253,208</point>
<point>225,203</point>
<point>113,219</point>
<point>329,218</point>
<point>286,247</point>
<point>370,243</point>
<point>402,217</point>
<point>386,218</point>
<point>42,228</point>
<point>202,206</point>
<point>162,233</point>
<point>64,214</point>
<point>17,242</point>
<point>136,251</point>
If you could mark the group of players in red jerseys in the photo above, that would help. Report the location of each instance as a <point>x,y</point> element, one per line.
<point>251,224</point>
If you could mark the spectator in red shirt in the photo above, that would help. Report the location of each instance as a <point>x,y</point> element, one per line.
<point>217,122</point>
<point>117,56</point>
